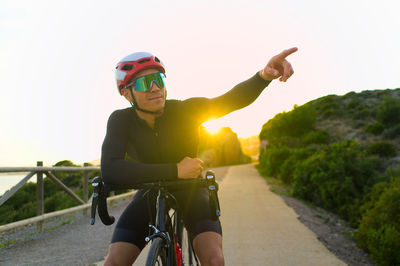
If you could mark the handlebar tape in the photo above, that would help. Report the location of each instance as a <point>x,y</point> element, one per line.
<point>103,211</point>
<point>100,202</point>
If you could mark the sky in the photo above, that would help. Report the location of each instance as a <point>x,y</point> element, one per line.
<point>57,61</point>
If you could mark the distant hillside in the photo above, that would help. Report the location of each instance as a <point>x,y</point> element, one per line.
<point>368,117</point>
<point>342,153</point>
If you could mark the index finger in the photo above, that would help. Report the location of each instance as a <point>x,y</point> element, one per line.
<point>287,52</point>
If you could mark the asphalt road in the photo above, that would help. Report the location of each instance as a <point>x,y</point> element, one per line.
<point>258,228</point>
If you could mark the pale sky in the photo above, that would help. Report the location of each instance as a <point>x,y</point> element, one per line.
<point>57,61</point>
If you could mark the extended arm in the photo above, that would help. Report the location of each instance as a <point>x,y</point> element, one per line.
<point>245,92</point>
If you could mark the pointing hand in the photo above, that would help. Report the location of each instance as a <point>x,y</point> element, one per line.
<point>278,66</point>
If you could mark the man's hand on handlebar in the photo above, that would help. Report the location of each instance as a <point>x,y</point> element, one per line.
<point>190,168</point>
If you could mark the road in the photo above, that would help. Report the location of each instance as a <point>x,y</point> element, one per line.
<point>258,228</point>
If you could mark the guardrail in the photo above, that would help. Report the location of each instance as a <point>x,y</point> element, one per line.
<point>39,171</point>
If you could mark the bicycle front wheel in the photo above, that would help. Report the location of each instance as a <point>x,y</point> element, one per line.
<point>157,254</point>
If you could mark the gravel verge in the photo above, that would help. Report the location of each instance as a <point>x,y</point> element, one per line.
<point>332,231</point>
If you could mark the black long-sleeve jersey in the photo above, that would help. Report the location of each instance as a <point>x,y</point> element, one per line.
<point>132,152</point>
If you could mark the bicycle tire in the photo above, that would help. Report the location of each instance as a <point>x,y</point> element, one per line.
<point>157,254</point>
<point>189,257</point>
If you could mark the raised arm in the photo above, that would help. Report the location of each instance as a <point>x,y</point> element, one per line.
<point>245,92</point>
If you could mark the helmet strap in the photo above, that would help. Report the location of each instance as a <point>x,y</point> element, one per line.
<point>136,106</point>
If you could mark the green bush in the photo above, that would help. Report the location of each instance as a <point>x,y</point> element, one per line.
<point>350,94</point>
<point>384,93</point>
<point>392,132</point>
<point>362,113</point>
<point>316,137</point>
<point>272,159</point>
<point>379,231</point>
<point>375,128</point>
<point>330,106</point>
<point>293,124</point>
<point>336,177</point>
<point>357,123</point>
<point>353,104</point>
<point>383,149</point>
<point>328,113</point>
<point>7,214</point>
<point>324,102</point>
<point>27,210</point>
<point>389,111</point>
<point>295,157</point>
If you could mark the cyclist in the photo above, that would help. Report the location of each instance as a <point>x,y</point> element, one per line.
<point>157,139</point>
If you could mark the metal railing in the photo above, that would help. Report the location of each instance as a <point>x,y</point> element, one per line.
<point>39,171</point>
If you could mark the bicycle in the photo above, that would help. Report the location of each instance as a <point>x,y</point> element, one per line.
<point>169,235</point>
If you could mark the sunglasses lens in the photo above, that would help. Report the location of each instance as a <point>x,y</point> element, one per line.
<point>144,83</point>
<point>140,85</point>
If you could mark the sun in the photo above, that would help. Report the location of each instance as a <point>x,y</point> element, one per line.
<point>212,126</point>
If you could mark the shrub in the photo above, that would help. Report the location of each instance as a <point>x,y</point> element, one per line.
<point>316,137</point>
<point>325,101</point>
<point>384,93</point>
<point>336,177</point>
<point>328,113</point>
<point>382,149</point>
<point>272,159</point>
<point>353,103</point>
<point>375,128</point>
<point>293,124</point>
<point>29,209</point>
<point>330,106</point>
<point>392,132</point>
<point>379,231</point>
<point>288,166</point>
<point>358,123</point>
<point>350,94</point>
<point>389,111</point>
<point>362,113</point>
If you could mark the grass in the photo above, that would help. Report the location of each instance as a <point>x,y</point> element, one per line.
<point>277,186</point>
<point>58,226</point>
<point>9,242</point>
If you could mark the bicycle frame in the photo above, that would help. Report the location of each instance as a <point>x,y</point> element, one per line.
<point>167,227</point>
<point>163,226</point>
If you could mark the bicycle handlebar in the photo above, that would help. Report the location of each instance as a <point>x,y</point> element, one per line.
<point>101,191</point>
<point>100,200</point>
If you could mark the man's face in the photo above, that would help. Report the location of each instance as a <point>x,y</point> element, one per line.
<point>152,100</point>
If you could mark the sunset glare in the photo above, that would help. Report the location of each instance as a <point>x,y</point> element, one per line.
<point>212,126</point>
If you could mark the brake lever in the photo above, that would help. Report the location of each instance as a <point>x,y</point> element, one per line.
<point>212,190</point>
<point>97,185</point>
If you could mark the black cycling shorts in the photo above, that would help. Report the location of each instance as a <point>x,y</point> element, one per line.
<point>133,225</point>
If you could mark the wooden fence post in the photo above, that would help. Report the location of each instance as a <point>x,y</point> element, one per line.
<point>39,196</point>
<point>85,182</point>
